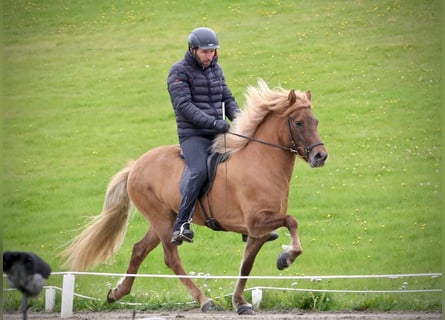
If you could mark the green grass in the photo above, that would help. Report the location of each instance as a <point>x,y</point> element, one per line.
<point>85,90</point>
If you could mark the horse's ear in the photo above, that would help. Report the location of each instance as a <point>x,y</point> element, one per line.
<point>292,97</point>
<point>308,95</point>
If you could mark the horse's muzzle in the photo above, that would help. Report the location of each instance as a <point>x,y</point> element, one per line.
<point>318,157</point>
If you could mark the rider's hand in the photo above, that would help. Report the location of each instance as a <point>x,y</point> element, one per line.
<point>221,126</point>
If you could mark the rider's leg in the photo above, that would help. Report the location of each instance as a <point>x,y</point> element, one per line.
<point>195,151</point>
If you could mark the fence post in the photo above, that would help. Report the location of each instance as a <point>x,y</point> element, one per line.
<point>257,296</point>
<point>67,295</point>
<point>50,299</point>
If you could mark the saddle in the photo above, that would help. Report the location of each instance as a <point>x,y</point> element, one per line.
<point>213,160</point>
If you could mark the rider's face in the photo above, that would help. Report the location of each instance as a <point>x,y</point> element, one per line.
<point>205,56</point>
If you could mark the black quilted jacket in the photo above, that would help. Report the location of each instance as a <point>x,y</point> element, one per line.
<point>197,95</point>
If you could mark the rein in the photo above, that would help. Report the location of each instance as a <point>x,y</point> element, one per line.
<point>293,149</point>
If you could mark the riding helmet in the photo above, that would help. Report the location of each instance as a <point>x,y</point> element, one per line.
<point>203,38</point>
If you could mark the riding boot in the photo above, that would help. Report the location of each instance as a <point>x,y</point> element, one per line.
<point>182,228</point>
<point>183,234</point>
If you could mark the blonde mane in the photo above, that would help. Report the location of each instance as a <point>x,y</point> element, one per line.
<point>260,101</point>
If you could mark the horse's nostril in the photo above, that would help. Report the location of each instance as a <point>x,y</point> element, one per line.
<point>321,156</point>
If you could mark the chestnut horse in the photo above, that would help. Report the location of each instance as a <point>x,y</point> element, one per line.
<point>249,194</point>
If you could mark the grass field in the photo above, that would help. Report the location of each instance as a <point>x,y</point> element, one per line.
<point>85,91</point>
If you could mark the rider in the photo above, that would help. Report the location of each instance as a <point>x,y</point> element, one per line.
<point>198,92</point>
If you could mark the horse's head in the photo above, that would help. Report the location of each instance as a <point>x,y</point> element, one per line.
<point>268,109</point>
<point>303,131</point>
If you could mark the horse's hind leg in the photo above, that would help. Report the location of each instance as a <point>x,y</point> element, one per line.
<point>286,258</point>
<point>140,251</point>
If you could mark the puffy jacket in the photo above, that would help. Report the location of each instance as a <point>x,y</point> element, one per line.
<point>197,95</point>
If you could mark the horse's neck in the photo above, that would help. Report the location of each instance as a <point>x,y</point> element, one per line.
<point>270,159</point>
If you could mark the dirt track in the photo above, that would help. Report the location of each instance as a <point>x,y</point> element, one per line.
<point>197,315</point>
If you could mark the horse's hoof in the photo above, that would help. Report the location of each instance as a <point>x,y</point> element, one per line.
<point>282,261</point>
<point>245,310</point>
<point>208,306</point>
<point>110,300</point>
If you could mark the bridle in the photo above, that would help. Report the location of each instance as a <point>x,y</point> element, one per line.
<point>306,150</point>
<point>294,148</point>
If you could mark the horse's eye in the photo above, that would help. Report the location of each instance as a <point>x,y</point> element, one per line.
<point>299,123</point>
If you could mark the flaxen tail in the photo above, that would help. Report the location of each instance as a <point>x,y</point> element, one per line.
<point>103,236</point>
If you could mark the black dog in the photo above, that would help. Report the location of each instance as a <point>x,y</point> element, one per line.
<point>26,272</point>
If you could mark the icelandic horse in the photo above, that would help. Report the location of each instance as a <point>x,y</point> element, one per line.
<point>249,194</point>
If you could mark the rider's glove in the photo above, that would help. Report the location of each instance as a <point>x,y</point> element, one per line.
<point>221,126</point>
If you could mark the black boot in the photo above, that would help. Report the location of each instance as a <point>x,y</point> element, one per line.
<point>273,236</point>
<point>183,234</point>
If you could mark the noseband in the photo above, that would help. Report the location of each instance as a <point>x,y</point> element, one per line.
<point>294,148</point>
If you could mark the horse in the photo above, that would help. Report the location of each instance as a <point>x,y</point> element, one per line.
<point>249,194</point>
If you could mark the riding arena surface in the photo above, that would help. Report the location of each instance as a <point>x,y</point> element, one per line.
<point>227,315</point>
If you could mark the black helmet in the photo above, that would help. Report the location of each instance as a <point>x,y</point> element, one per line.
<point>203,38</point>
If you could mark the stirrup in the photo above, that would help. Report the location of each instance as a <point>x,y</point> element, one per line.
<point>181,235</point>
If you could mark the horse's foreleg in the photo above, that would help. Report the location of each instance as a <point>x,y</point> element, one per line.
<point>286,258</point>
<point>140,251</point>
<point>173,261</point>
<point>253,246</point>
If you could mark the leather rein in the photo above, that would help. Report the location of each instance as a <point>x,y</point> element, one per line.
<point>293,149</point>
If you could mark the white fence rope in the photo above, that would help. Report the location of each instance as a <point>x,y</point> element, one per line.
<point>193,275</point>
<point>68,293</point>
